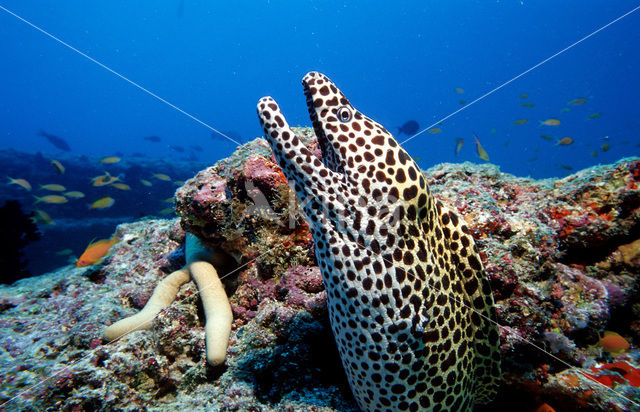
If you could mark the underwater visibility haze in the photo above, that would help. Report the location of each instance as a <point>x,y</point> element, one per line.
<point>117,116</point>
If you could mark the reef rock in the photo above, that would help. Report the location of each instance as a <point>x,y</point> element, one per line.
<point>561,255</point>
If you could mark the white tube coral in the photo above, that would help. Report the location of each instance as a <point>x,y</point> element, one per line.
<point>217,309</point>
<point>163,296</point>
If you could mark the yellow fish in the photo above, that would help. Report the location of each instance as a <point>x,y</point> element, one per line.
<point>162,176</point>
<point>594,153</point>
<point>102,203</point>
<point>434,130</point>
<point>578,101</point>
<point>527,104</point>
<point>524,96</point>
<point>168,200</point>
<point>565,110</point>
<point>605,147</point>
<point>482,154</point>
<point>53,187</point>
<point>146,182</point>
<point>109,159</point>
<point>42,217</point>
<point>20,182</point>
<point>74,194</point>
<point>594,115</point>
<point>178,182</point>
<point>550,122</point>
<point>547,137</point>
<point>462,102</point>
<point>520,121</point>
<point>52,199</point>
<point>459,90</point>
<point>58,166</point>
<point>166,211</point>
<point>121,186</point>
<point>103,180</point>
<point>459,144</point>
<point>565,141</point>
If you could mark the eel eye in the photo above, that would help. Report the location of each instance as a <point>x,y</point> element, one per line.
<point>344,114</point>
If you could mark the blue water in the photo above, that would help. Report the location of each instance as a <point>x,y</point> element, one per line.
<point>395,63</point>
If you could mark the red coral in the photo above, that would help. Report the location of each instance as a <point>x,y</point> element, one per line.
<point>620,372</point>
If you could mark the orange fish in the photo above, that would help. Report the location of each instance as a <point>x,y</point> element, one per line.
<point>95,252</point>
<point>545,407</point>
<point>613,343</point>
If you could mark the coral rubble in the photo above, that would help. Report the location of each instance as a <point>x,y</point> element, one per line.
<point>561,255</point>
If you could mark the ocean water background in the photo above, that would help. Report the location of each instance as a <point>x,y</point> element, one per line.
<point>395,61</point>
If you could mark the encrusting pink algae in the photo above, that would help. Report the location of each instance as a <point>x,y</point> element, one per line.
<point>561,255</point>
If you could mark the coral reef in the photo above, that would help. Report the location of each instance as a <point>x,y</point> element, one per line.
<point>551,249</point>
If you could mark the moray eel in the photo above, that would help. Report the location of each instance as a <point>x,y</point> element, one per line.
<point>409,304</point>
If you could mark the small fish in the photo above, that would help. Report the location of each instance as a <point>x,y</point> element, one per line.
<point>110,160</point>
<point>95,252</point>
<point>58,142</point>
<point>594,115</point>
<point>178,182</point>
<point>102,203</point>
<point>20,182</point>
<point>482,154</point>
<point>177,148</point>
<point>42,217</point>
<point>154,139</point>
<point>566,167</point>
<point>52,199</point>
<point>565,141</point>
<point>524,96</point>
<point>409,127</point>
<point>168,200</point>
<point>550,122</point>
<point>527,104</point>
<point>103,180</point>
<point>532,159</point>
<point>520,121</point>
<point>578,101</point>
<point>565,110</point>
<point>64,252</point>
<point>545,407</point>
<point>162,176</point>
<point>121,186</point>
<point>492,131</point>
<point>58,166</point>
<point>74,194</point>
<point>594,153</point>
<point>53,187</point>
<point>462,102</point>
<point>459,144</point>
<point>605,147</point>
<point>613,343</point>
<point>434,130</point>
<point>547,137</point>
<point>166,211</point>
<point>459,90</point>
<point>146,182</point>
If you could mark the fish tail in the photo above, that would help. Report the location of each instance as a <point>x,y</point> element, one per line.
<point>38,199</point>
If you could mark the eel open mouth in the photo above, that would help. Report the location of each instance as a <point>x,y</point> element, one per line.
<point>312,84</point>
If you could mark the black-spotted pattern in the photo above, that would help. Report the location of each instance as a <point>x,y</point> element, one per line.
<point>410,307</point>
